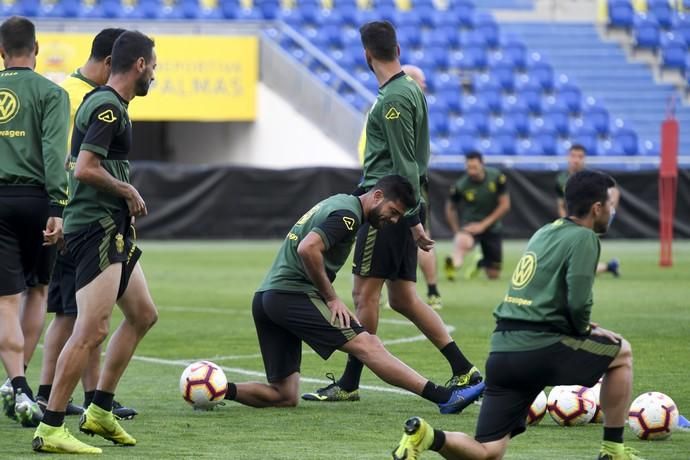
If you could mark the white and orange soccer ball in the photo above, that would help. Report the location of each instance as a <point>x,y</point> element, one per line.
<point>653,416</point>
<point>571,405</point>
<point>203,385</point>
<point>537,410</point>
<point>598,415</point>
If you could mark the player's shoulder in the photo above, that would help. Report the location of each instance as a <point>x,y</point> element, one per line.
<point>101,99</point>
<point>345,203</point>
<point>45,86</point>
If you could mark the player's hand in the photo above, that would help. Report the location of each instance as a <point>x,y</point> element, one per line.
<point>474,228</point>
<point>341,313</point>
<point>610,335</point>
<point>135,203</point>
<point>421,238</point>
<point>53,232</point>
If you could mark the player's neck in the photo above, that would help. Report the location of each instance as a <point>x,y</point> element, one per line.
<point>20,61</point>
<point>92,71</point>
<point>384,71</point>
<point>587,221</point>
<point>124,86</point>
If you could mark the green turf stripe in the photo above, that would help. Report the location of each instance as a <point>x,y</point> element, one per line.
<point>591,346</point>
<point>368,252</point>
<point>326,312</point>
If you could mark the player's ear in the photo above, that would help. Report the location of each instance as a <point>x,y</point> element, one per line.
<point>36,49</point>
<point>141,65</point>
<point>108,61</point>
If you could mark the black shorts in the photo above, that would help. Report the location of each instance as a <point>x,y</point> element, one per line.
<point>492,249</point>
<point>44,268</point>
<point>94,248</point>
<point>514,379</point>
<point>284,319</point>
<point>62,298</point>
<point>23,216</point>
<point>389,253</point>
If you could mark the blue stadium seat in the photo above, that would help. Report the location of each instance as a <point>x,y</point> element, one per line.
<point>269,9</point>
<point>621,14</point>
<point>451,96</point>
<point>486,25</point>
<point>541,73</point>
<point>587,137</point>
<point>625,141</point>
<point>558,115</point>
<point>463,10</point>
<point>450,35</point>
<point>570,95</point>
<point>546,142</point>
<point>69,9</point>
<point>650,148</point>
<point>661,10</point>
<point>476,114</point>
<point>673,52</point>
<point>646,33</point>
<point>504,142</point>
<point>529,95</point>
<point>681,26</point>
<point>228,9</point>
<point>437,105</point>
<point>421,3</point>
<point>598,118</point>
<point>503,73</point>
<point>405,19</point>
<point>425,15</point>
<point>489,91</point>
<point>471,57</point>
<point>465,138</point>
<point>409,37</point>
<point>439,56</point>
<point>441,81</point>
<point>518,116</point>
<point>527,147</point>
<point>28,8</point>
<point>348,16</point>
<point>438,123</point>
<point>515,53</point>
<point>386,13</point>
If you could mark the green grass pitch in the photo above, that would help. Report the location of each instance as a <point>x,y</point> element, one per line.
<point>203,292</point>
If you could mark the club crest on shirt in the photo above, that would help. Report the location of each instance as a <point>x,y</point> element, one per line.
<point>349,223</point>
<point>392,114</point>
<point>9,105</point>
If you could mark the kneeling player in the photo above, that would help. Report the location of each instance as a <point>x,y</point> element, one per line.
<point>544,337</point>
<point>297,302</point>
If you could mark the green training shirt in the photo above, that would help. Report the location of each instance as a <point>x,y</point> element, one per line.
<point>551,284</point>
<point>561,180</point>
<point>397,135</point>
<point>101,126</point>
<point>34,119</point>
<point>336,220</point>
<point>479,198</point>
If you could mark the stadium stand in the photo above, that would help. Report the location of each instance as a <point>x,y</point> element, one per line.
<point>516,88</point>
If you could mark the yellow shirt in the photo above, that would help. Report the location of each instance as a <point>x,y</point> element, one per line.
<point>77,86</point>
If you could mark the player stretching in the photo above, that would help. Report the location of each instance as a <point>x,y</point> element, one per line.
<point>544,337</point>
<point>397,141</point>
<point>100,238</point>
<point>297,302</point>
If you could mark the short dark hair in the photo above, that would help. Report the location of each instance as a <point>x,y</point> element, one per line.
<point>585,188</point>
<point>378,37</point>
<point>474,155</point>
<point>18,36</point>
<point>102,45</point>
<point>579,147</point>
<point>130,46</point>
<point>397,188</point>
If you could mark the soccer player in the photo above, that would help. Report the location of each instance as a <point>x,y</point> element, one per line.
<point>61,297</point>
<point>33,191</point>
<point>426,259</point>
<point>100,238</point>
<point>483,192</point>
<point>576,162</point>
<point>297,302</point>
<point>544,337</point>
<point>397,141</point>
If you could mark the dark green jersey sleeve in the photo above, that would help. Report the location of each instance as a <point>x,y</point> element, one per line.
<point>398,127</point>
<point>501,184</point>
<point>104,125</point>
<point>54,131</point>
<point>339,225</point>
<point>581,269</point>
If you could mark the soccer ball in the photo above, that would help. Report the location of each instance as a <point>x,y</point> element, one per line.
<point>203,385</point>
<point>598,415</point>
<point>537,410</point>
<point>653,416</point>
<point>571,405</point>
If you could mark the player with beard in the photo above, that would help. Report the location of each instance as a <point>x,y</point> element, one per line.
<point>99,234</point>
<point>297,302</point>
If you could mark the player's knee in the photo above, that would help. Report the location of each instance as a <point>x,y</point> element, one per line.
<point>146,318</point>
<point>365,300</point>
<point>625,353</point>
<point>369,346</point>
<point>286,397</point>
<point>13,343</point>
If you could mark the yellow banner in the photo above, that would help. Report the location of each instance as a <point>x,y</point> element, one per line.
<point>197,79</point>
